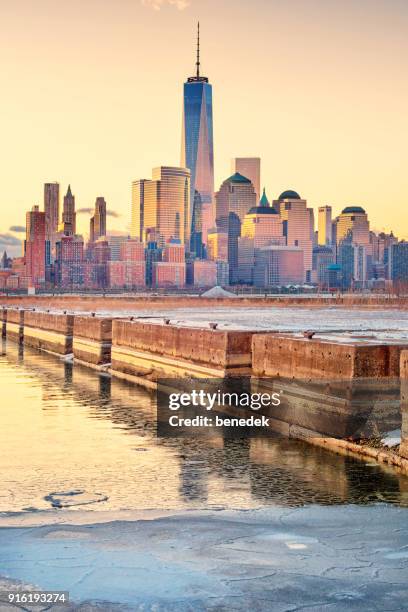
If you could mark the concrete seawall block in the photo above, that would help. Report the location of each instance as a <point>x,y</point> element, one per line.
<point>49,331</point>
<point>404,404</point>
<point>297,357</point>
<point>15,324</point>
<point>151,350</point>
<point>92,340</point>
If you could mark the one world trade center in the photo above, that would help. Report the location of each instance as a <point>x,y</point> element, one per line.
<point>197,153</point>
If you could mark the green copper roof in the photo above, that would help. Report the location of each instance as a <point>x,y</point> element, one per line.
<point>264,200</point>
<point>352,209</point>
<point>238,178</point>
<point>289,195</point>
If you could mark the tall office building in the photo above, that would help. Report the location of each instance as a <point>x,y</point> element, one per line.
<point>68,225</point>
<point>399,262</point>
<point>353,223</point>
<point>324,225</point>
<point>297,226</point>
<point>237,195</point>
<point>137,217</point>
<point>262,227</point>
<point>251,168</point>
<point>197,150</point>
<point>35,246</point>
<point>161,206</point>
<point>51,209</point>
<point>98,221</point>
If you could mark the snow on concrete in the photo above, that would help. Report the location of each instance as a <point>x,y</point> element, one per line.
<point>392,438</point>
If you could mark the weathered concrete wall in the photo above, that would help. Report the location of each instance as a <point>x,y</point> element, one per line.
<point>92,340</point>
<point>15,324</point>
<point>290,357</point>
<point>49,331</point>
<point>153,350</point>
<point>3,322</point>
<point>404,404</point>
<point>353,409</point>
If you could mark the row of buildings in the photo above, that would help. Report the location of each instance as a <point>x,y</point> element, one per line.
<point>254,243</point>
<point>184,233</point>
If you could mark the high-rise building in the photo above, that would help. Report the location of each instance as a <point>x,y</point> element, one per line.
<point>51,209</point>
<point>323,258</point>
<point>353,223</point>
<point>68,225</point>
<point>251,168</point>
<point>325,225</point>
<point>137,217</point>
<point>197,150</point>
<point>35,246</point>
<point>171,271</point>
<point>161,206</point>
<point>69,261</point>
<point>115,242</point>
<point>297,226</point>
<point>236,195</point>
<point>97,227</point>
<point>278,265</point>
<point>262,226</point>
<point>399,262</point>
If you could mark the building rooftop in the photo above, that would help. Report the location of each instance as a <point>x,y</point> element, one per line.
<point>264,200</point>
<point>353,209</point>
<point>262,210</point>
<point>238,178</point>
<point>289,194</point>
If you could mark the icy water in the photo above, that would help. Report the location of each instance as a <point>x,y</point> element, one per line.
<point>72,438</point>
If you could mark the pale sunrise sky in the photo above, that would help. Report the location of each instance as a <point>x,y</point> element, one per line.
<point>91,94</point>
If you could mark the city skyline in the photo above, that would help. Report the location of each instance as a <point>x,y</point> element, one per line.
<point>91,170</point>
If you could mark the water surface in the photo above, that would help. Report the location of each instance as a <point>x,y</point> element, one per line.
<point>70,437</point>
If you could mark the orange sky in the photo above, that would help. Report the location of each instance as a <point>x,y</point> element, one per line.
<point>91,95</point>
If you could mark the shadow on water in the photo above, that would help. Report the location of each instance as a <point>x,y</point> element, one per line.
<point>223,471</point>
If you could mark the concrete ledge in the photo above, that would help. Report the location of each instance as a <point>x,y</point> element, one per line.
<point>3,322</point>
<point>92,340</point>
<point>404,404</point>
<point>295,357</point>
<point>151,350</point>
<point>360,408</point>
<point>15,324</point>
<point>49,331</point>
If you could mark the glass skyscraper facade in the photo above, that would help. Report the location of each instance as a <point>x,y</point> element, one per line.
<point>197,151</point>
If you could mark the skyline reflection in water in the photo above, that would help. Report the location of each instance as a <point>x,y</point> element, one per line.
<point>72,437</point>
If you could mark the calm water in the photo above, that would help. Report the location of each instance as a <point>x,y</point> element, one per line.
<point>73,438</point>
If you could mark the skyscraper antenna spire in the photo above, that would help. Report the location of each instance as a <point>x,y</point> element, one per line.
<point>198,50</point>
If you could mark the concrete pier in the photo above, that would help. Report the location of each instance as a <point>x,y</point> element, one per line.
<point>92,341</point>
<point>3,322</point>
<point>343,389</point>
<point>144,352</point>
<point>291,356</point>
<point>49,331</point>
<point>15,324</point>
<point>404,404</point>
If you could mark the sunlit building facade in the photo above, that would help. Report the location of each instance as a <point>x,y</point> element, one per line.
<point>324,225</point>
<point>297,226</point>
<point>251,168</point>
<point>236,195</point>
<point>161,206</point>
<point>51,209</point>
